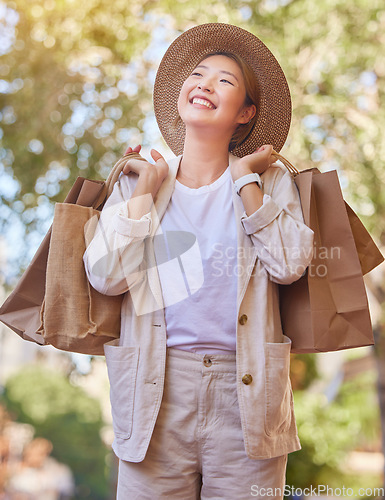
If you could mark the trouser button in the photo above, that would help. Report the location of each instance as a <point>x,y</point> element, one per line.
<point>207,361</point>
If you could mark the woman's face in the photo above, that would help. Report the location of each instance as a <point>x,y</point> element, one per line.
<point>214,95</point>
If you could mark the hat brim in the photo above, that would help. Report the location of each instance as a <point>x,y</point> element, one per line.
<point>274,106</point>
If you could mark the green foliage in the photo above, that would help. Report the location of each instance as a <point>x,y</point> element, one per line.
<point>303,370</point>
<point>336,76</point>
<point>66,416</point>
<point>80,79</point>
<point>328,431</point>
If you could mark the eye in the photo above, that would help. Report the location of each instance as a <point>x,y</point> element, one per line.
<point>227,81</point>
<point>196,73</point>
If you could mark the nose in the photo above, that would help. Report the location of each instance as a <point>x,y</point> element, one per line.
<point>205,86</point>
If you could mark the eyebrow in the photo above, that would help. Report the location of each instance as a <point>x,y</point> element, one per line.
<point>221,71</point>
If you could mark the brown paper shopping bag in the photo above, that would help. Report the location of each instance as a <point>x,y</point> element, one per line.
<point>53,302</point>
<point>327,309</point>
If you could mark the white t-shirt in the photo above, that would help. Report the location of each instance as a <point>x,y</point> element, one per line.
<point>197,258</point>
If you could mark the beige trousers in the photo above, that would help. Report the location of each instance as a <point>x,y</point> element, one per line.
<point>197,449</point>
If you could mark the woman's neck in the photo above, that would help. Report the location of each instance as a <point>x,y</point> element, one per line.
<point>203,161</point>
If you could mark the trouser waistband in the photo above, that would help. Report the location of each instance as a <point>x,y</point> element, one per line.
<point>195,362</point>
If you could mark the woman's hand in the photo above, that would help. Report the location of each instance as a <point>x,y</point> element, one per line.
<point>151,175</point>
<point>150,179</point>
<point>255,162</point>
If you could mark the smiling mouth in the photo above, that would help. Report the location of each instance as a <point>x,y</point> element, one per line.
<point>203,102</point>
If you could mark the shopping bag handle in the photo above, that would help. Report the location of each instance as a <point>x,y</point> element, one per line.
<point>113,177</point>
<point>290,167</point>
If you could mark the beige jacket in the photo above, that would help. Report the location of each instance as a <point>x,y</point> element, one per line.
<point>274,247</point>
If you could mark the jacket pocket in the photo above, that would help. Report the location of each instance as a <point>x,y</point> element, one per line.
<point>278,393</point>
<point>122,366</point>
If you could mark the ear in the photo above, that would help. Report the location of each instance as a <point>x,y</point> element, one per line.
<point>247,114</point>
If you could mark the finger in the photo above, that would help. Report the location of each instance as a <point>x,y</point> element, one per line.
<point>135,150</point>
<point>156,156</point>
<point>267,148</point>
<point>127,169</point>
<point>133,165</point>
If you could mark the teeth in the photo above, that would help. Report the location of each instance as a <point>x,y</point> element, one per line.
<point>208,104</point>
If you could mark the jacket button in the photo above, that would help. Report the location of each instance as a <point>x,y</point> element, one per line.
<point>243,319</point>
<point>247,379</point>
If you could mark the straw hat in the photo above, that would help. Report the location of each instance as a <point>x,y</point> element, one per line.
<point>274,106</point>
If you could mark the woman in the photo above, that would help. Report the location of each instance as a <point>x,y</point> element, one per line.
<point>201,397</point>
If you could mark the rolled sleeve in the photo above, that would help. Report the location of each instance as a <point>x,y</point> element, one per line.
<point>261,217</point>
<point>130,227</point>
<point>283,242</point>
<point>115,253</point>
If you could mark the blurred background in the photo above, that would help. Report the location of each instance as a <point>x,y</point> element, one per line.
<point>75,91</point>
